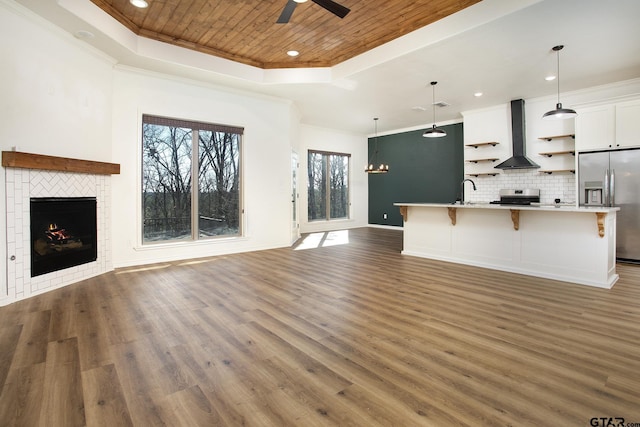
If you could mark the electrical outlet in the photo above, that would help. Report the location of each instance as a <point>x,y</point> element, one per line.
<point>384,216</point>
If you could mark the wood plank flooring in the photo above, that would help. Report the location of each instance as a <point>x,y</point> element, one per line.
<point>339,334</point>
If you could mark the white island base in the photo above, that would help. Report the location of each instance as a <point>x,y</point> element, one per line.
<point>570,244</point>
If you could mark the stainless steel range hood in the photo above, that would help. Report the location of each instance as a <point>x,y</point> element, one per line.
<point>519,160</point>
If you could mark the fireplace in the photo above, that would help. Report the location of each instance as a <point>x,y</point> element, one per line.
<point>63,233</point>
<point>29,176</point>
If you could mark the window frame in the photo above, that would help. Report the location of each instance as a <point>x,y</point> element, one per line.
<point>195,127</point>
<point>326,159</point>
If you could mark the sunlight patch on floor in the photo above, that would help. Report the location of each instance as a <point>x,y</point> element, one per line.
<point>324,239</point>
<point>201,261</point>
<point>143,268</point>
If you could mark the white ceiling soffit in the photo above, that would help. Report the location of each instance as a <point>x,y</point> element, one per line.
<point>499,47</point>
<point>471,17</point>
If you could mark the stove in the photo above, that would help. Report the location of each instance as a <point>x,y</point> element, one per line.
<point>522,197</point>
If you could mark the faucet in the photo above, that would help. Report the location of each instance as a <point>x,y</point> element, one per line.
<point>462,189</point>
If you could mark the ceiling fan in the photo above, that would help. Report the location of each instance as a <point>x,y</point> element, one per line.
<point>331,6</point>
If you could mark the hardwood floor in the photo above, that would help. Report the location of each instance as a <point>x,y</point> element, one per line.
<point>348,334</point>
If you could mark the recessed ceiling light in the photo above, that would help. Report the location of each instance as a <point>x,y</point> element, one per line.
<point>300,1</point>
<point>293,53</point>
<point>477,94</point>
<point>550,78</point>
<point>83,34</point>
<point>139,3</point>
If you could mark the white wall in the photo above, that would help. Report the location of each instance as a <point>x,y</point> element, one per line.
<point>321,139</point>
<point>56,90</point>
<point>55,97</point>
<point>266,176</point>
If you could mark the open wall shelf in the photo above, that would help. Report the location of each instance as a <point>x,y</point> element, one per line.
<point>549,172</point>
<point>558,153</point>
<point>483,174</point>
<point>550,138</point>
<point>482,144</point>
<point>482,160</point>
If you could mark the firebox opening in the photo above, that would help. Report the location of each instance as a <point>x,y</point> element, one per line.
<point>63,233</point>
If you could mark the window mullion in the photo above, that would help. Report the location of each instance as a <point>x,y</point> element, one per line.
<point>195,185</point>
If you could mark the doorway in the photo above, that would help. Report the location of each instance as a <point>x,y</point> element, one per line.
<point>295,226</point>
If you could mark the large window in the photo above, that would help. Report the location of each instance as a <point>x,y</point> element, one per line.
<point>328,188</point>
<point>190,180</point>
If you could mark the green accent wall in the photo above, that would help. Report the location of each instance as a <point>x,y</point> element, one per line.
<point>421,170</point>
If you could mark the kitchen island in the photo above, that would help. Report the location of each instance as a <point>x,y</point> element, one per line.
<point>567,243</point>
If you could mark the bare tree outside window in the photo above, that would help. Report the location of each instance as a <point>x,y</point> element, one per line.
<point>166,188</point>
<point>173,167</point>
<point>317,167</point>
<point>339,186</point>
<point>218,178</point>
<point>328,185</point>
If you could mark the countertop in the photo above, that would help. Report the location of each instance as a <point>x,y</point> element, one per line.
<point>542,207</point>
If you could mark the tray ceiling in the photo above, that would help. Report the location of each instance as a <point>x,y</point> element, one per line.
<point>246,31</point>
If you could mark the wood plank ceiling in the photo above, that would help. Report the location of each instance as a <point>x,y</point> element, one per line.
<point>246,31</point>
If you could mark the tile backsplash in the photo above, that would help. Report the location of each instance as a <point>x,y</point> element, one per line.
<point>555,186</point>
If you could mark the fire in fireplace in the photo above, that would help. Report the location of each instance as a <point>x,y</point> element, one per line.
<point>63,233</point>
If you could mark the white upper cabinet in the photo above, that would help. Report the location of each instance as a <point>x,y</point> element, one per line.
<point>608,126</point>
<point>595,128</point>
<point>628,124</point>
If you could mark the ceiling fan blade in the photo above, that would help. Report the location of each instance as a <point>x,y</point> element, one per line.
<point>333,7</point>
<point>287,12</point>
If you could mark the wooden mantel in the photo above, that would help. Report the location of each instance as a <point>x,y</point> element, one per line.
<point>16,159</point>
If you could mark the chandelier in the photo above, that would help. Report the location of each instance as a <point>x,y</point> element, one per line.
<point>373,166</point>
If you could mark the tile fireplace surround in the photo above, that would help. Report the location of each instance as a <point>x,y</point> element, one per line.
<point>28,176</point>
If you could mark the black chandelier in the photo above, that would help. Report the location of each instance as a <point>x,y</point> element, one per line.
<point>373,166</point>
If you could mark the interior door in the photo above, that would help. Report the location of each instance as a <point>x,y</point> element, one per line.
<point>295,227</point>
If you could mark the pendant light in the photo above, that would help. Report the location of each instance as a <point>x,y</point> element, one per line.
<point>434,132</point>
<point>371,167</point>
<point>559,112</point>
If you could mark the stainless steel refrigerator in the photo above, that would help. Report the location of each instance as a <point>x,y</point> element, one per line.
<point>612,178</point>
